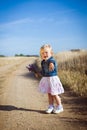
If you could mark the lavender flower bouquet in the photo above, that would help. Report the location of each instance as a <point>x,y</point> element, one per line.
<point>33,68</point>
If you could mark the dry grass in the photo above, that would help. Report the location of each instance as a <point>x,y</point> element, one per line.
<point>77,61</point>
<point>72,70</point>
<point>76,81</point>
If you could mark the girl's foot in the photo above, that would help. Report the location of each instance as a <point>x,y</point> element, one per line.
<point>58,109</point>
<point>50,109</point>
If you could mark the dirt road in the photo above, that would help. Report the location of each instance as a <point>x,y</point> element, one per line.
<point>22,107</point>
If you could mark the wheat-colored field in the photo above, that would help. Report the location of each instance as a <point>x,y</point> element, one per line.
<point>72,69</point>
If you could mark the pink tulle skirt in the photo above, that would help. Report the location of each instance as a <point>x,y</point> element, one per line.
<point>51,85</point>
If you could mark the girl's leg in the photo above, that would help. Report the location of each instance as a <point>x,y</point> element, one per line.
<point>50,99</point>
<point>59,107</point>
<point>57,99</point>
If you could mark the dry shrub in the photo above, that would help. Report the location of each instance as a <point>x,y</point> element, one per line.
<point>73,71</point>
<point>76,81</point>
<point>78,63</point>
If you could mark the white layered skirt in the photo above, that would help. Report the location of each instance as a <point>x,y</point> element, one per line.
<point>51,85</point>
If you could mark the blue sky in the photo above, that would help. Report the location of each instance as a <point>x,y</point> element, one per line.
<point>25,25</point>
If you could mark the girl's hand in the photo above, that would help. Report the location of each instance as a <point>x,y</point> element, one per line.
<point>51,67</point>
<point>38,75</point>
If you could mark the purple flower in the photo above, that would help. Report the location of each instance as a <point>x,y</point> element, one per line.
<point>31,67</point>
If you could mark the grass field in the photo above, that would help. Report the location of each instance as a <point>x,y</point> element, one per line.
<point>72,69</point>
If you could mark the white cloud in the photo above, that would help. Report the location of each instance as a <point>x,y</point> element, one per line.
<point>51,18</point>
<point>16,22</point>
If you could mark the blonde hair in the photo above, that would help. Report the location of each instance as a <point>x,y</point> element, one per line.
<point>46,46</point>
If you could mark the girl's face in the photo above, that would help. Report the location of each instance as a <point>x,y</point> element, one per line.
<point>46,53</point>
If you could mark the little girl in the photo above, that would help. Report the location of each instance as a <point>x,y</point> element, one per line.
<point>50,83</point>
